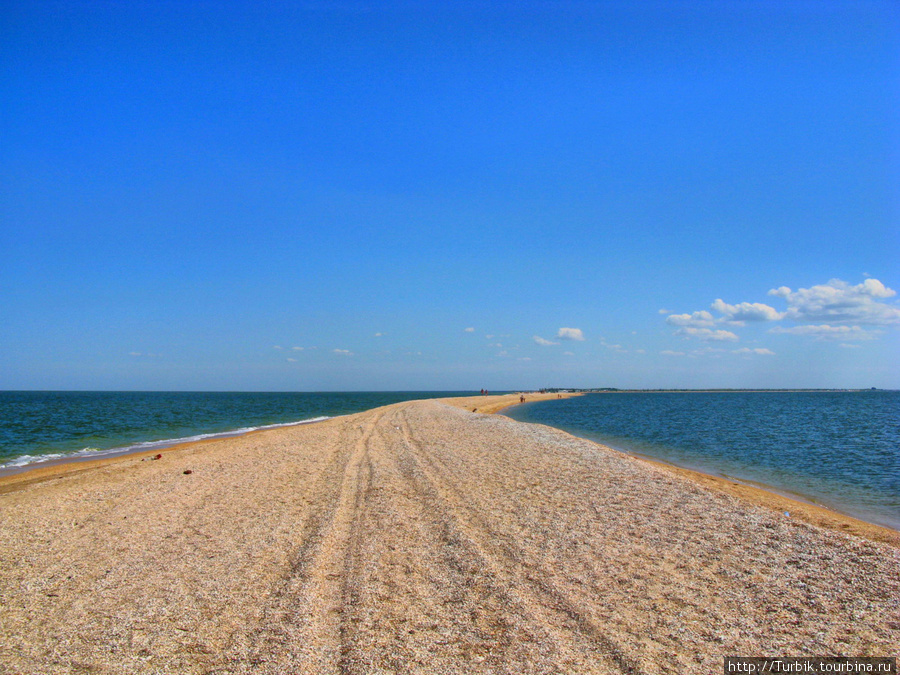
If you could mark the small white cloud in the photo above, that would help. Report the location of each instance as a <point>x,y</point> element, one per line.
<point>669,352</point>
<point>469,330</point>
<point>665,311</point>
<point>640,351</point>
<point>758,350</point>
<point>542,342</point>
<point>297,349</point>
<point>134,353</point>
<point>503,353</point>
<point>292,360</point>
<point>746,311</point>
<point>848,346</point>
<point>570,334</point>
<point>277,347</point>
<point>525,358</point>
<point>568,353</point>
<point>343,352</point>
<point>379,334</point>
<point>489,337</point>
<point>699,319</point>
<point>707,334</point>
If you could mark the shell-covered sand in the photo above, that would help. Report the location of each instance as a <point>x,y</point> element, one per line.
<point>420,538</point>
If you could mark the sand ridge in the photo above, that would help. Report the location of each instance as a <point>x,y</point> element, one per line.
<point>422,538</point>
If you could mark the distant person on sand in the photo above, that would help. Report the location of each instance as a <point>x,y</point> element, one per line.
<point>521,398</point>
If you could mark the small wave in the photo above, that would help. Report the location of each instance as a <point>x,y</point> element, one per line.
<point>93,453</point>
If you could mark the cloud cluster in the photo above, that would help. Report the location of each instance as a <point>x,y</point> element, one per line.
<point>833,311</point>
<point>839,302</point>
<point>826,332</point>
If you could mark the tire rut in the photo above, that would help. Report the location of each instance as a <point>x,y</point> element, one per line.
<point>304,628</point>
<point>526,585</point>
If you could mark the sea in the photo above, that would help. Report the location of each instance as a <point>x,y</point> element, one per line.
<point>41,426</point>
<point>840,449</point>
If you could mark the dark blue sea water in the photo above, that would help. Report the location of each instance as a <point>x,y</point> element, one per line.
<point>38,426</point>
<point>841,449</point>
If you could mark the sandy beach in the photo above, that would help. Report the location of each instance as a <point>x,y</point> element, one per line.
<point>425,537</point>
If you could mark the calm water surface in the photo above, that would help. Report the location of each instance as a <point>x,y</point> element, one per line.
<point>839,448</point>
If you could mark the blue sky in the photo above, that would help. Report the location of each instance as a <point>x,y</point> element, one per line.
<point>358,195</point>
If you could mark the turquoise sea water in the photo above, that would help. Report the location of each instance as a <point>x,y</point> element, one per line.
<point>37,426</point>
<point>841,449</point>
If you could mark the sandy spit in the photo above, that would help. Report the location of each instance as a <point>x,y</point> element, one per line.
<point>422,538</point>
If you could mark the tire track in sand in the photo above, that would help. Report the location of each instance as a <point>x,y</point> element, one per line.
<point>529,588</point>
<point>305,629</point>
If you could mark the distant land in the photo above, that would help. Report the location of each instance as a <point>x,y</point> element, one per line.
<point>615,390</point>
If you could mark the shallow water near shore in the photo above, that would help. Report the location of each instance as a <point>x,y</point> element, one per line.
<point>41,426</point>
<point>839,449</point>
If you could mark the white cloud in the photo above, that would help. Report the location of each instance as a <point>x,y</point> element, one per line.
<point>379,334</point>
<point>469,330</point>
<point>617,348</point>
<point>836,310</point>
<point>134,353</point>
<point>525,358</point>
<point>665,311</point>
<point>669,352</point>
<point>716,352</point>
<point>277,347</point>
<point>707,334</point>
<point>343,352</point>
<point>697,319</point>
<point>839,302</point>
<point>292,360</point>
<point>848,346</point>
<point>826,332</point>
<point>746,311</point>
<point>297,349</point>
<point>758,350</point>
<point>568,353</point>
<point>570,334</point>
<point>542,342</point>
